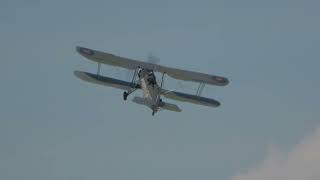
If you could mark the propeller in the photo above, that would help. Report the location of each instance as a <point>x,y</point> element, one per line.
<point>151,58</point>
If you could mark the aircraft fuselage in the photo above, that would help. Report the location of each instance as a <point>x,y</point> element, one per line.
<point>150,88</point>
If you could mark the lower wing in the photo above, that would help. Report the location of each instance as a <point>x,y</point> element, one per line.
<point>106,81</point>
<point>178,96</point>
<point>124,85</point>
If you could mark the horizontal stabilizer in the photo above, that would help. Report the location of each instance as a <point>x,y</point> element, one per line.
<point>141,101</point>
<point>170,107</point>
<point>162,105</point>
<point>178,96</point>
<point>106,81</point>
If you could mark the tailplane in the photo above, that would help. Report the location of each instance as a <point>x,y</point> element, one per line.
<point>142,101</point>
<point>162,105</point>
<point>170,107</point>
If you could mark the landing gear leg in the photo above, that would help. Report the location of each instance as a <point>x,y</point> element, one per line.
<point>153,113</point>
<point>125,96</point>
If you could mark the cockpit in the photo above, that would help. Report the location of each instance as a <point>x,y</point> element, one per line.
<point>151,78</point>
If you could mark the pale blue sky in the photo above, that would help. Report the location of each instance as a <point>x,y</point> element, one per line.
<point>54,126</point>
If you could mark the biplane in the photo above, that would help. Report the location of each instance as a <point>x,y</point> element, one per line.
<point>144,78</point>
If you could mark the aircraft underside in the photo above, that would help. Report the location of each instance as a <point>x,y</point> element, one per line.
<point>151,91</point>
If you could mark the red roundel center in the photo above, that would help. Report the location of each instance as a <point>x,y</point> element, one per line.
<point>219,79</point>
<point>86,51</point>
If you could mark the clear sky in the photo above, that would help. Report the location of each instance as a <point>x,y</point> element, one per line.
<point>54,126</point>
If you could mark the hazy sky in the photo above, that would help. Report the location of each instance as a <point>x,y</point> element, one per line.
<point>54,126</point>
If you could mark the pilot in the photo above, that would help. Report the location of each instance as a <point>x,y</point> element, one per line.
<point>151,79</point>
<point>139,72</point>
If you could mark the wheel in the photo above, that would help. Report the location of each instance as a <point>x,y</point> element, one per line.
<point>125,96</point>
<point>153,113</point>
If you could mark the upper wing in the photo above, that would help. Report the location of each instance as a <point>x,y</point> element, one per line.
<point>193,76</point>
<point>118,61</point>
<point>110,59</point>
<point>191,98</point>
<point>106,81</point>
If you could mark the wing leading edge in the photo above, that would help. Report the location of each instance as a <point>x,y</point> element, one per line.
<point>113,60</point>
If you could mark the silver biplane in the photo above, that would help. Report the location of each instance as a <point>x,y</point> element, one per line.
<point>144,78</point>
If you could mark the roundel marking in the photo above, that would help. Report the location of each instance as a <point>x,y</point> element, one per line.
<point>86,51</point>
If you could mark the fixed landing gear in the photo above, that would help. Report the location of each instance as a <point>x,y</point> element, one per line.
<point>133,82</point>
<point>153,113</point>
<point>125,96</point>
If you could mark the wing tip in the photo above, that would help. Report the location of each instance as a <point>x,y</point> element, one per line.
<point>84,51</point>
<point>226,81</point>
<point>221,81</point>
<point>217,104</point>
<point>80,74</point>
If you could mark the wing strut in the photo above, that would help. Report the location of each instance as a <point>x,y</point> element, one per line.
<point>99,67</point>
<point>200,89</point>
<point>134,76</point>
<point>162,82</point>
<point>133,88</point>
